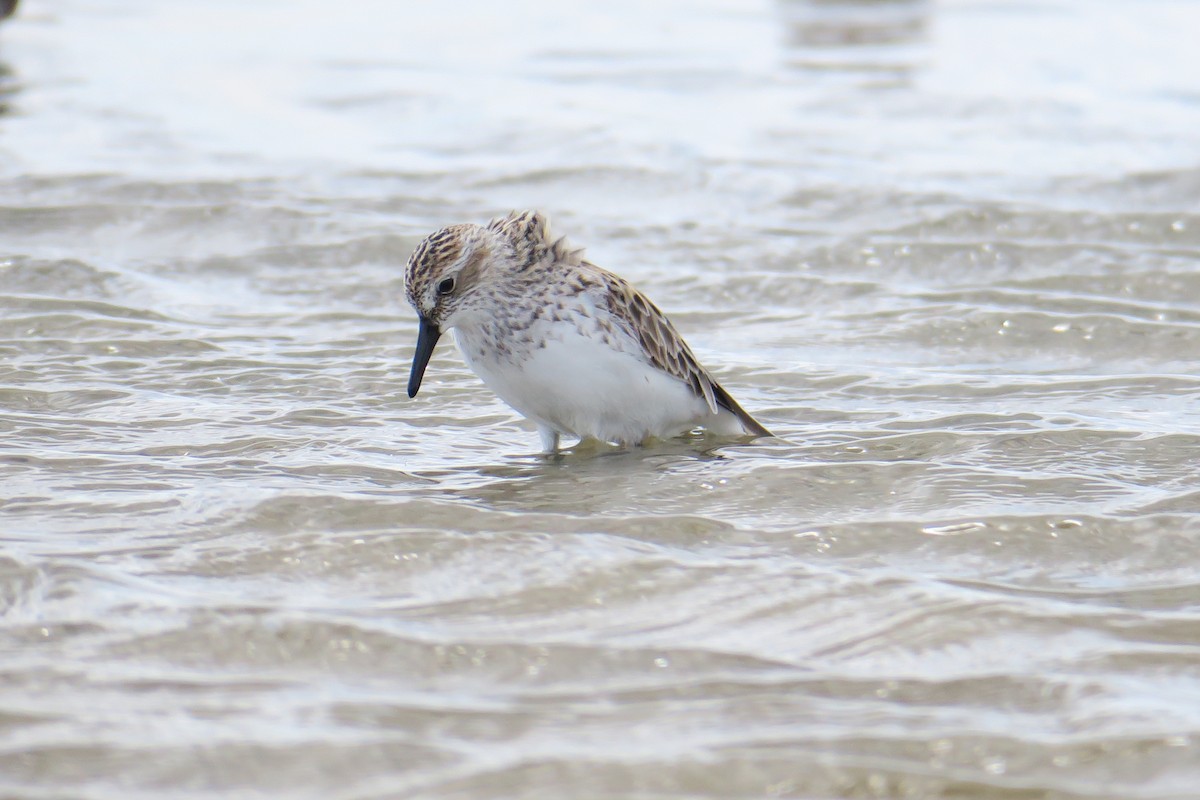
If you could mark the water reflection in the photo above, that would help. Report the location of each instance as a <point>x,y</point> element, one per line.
<point>873,35</point>
<point>580,479</point>
<point>8,88</point>
<point>8,83</point>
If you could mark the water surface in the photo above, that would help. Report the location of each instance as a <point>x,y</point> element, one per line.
<point>949,252</point>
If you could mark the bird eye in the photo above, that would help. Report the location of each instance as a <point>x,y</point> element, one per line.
<point>446,286</point>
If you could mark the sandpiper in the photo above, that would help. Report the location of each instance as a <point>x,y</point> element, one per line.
<point>569,345</point>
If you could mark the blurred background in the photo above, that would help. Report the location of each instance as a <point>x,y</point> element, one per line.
<point>948,251</point>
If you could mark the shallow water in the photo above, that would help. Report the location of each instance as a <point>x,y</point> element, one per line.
<point>949,252</point>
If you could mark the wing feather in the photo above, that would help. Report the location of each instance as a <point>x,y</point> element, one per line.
<point>664,347</point>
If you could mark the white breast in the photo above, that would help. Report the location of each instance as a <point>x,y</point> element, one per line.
<point>579,384</point>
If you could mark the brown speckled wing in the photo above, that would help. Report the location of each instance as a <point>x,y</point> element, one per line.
<point>665,348</point>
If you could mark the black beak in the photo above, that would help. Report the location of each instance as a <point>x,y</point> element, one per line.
<point>427,339</point>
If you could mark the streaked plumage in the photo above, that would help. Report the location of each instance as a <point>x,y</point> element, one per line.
<point>571,346</point>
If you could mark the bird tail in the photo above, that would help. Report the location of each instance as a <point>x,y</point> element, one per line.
<point>752,426</point>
